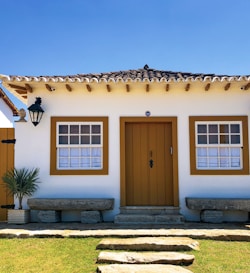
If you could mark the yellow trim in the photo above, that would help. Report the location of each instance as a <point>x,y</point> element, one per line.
<point>244,120</point>
<point>53,157</point>
<point>173,121</point>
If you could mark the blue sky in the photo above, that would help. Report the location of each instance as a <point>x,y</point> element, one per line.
<point>63,37</point>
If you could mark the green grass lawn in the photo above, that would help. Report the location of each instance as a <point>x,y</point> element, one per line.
<point>221,257</point>
<point>79,255</point>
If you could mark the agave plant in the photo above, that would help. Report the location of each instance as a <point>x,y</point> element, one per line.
<point>21,182</point>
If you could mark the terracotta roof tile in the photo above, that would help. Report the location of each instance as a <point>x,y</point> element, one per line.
<point>144,74</point>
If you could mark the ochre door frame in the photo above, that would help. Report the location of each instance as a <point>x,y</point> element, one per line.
<point>173,121</point>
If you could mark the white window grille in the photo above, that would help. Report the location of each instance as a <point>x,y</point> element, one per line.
<point>219,145</point>
<point>79,145</point>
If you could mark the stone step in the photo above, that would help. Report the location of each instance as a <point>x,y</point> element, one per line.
<point>136,268</point>
<point>162,219</point>
<point>174,258</point>
<point>149,244</point>
<point>149,210</point>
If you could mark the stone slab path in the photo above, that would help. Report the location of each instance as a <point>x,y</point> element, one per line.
<point>125,268</point>
<point>149,243</point>
<point>154,254</point>
<point>223,232</point>
<point>167,257</point>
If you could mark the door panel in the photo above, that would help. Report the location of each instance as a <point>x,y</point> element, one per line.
<point>136,164</point>
<point>148,184</point>
<point>6,163</point>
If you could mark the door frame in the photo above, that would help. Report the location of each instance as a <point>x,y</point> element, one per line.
<point>123,122</point>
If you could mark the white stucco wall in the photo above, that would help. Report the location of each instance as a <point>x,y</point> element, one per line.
<point>6,115</point>
<point>33,143</point>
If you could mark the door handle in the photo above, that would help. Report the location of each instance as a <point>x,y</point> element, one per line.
<point>151,163</point>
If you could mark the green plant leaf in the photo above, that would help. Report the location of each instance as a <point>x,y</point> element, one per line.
<point>22,182</point>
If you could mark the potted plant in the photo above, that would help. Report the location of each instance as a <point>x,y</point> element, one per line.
<point>21,183</point>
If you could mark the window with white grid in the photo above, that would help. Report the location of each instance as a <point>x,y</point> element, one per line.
<point>79,145</point>
<point>218,145</point>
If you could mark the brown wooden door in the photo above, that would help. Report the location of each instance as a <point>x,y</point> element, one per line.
<point>6,163</point>
<point>149,166</point>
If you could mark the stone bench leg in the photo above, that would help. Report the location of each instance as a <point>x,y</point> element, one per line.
<point>49,216</point>
<point>91,217</point>
<point>212,216</point>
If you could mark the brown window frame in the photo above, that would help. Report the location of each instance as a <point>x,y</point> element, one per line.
<point>245,147</point>
<point>53,149</point>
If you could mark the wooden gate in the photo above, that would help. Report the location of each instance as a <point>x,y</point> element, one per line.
<point>6,163</point>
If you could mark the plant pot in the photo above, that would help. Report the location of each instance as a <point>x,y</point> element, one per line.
<point>18,216</point>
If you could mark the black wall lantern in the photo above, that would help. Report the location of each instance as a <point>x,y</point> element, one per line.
<point>36,111</point>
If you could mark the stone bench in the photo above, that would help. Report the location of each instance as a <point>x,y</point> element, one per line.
<point>211,209</point>
<point>49,210</point>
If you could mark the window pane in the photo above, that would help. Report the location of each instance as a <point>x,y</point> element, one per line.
<point>85,152</point>
<point>96,129</point>
<point>74,129</point>
<point>213,152</point>
<point>202,129</point>
<point>235,139</point>
<point>235,152</point>
<point>74,140</point>
<point>74,162</point>
<point>85,139</point>
<point>235,128</point>
<point>96,152</point>
<point>213,162</point>
<point>96,162</point>
<point>202,151</point>
<point>63,162</point>
<point>63,139</point>
<point>224,139</point>
<point>224,151</point>
<point>224,128</point>
<point>96,140</point>
<point>63,129</point>
<point>85,129</point>
<point>213,139</point>
<point>224,162</point>
<point>202,139</point>
<point>202,163</point>
<point>85,163</point>
<point>213,128</point>
<point>63,152</point>
<point>235,162</point>
<point>74,152</point>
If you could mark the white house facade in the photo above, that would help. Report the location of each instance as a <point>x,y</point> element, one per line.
<point>143,137</point>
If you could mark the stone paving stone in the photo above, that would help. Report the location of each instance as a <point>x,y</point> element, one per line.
<point>125,268</point>
<point>222,232</point>
<point>174,258</point>
<point>150,243</point>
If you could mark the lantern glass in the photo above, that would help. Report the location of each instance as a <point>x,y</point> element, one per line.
<point>36,112</point>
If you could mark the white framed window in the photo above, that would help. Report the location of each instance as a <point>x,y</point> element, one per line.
<point>218,145</point>
<point>79,145</point>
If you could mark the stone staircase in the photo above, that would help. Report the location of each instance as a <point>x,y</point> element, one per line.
<point>146,255</point>
<point>158,215</point>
